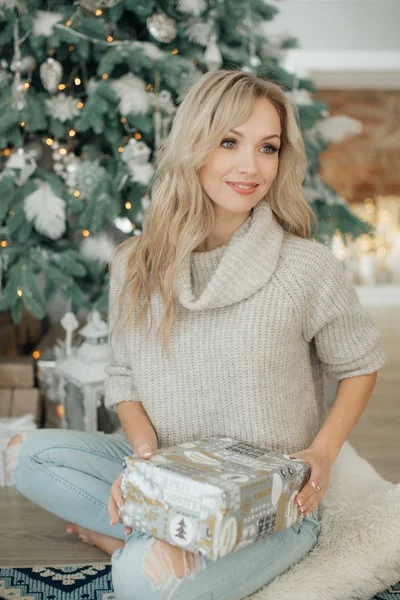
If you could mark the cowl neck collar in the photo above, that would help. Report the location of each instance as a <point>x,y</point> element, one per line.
<point>240,268</point>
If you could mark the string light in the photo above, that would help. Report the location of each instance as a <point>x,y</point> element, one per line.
<point>68,23</point>
<point>27,85</point>
<point>149,87</point>
<point>60,411</point>
<point>123,119</point>
<point>86,233</point>
<point>7,152</point>
<point>19,293</point>
<point>11,213</point>
<point>36,354</point>
<point>77,193</point>
<point>128,205</point>
<point>79,104</point>
<point>71,48</point>
<point>110,38</point>
<point>77,81</point>
<point>72,133</point>
<point>175,51</point>
<point>104,76</point>
<point>98,12</point>
<point>63,151</point>
<point>121,149</point>
<point>61,86</point>
<point>49,141</point>
<point>22,123</point>
<point>137,136</point>
<point>4,243</point>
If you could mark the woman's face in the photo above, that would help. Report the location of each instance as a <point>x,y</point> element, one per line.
<point>248,157</point>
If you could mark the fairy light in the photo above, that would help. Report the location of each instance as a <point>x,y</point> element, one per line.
<point>149,87</point>
<point>11,213</point>
<point>27,85</point>
<point>72,133</point>
<point>36,354</point>
<point>123,119</point>
<point>49,141</point>
<point>61,86</point>
<point>128,205</point>
<point>63,151</point>
<point>77,81</point>
<point>175,51</point>
<point>79,104</point>
<point>7,152</point>
<point>68,23</point>
<point>121,149</point>
<point>60,411</point>
<point>4,243</point>
<point>19,293</point>
<point>98,12</point>
<point>71,48</point>
<point>110,38</point>
<point>137,136</point>
<point>77,193</point>
<point>86,233</point>
<point>22,123</point>
<point>104,76</point>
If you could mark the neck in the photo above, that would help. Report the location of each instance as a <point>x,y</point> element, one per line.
<point>226,223</point>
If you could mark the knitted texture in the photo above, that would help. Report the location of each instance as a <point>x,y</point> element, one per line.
<point>259,321</point>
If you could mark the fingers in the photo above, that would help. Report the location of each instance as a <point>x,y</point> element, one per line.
<point>309,498</point>
<point>115,502</point>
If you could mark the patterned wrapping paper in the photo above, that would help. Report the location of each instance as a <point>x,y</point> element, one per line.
<point>213,496</point>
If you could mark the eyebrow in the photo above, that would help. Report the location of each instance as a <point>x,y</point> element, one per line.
<point>268,137</point>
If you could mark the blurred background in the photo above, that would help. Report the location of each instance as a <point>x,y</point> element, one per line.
<point>89,90</point>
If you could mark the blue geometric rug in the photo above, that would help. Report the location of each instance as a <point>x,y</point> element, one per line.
<point>89,582</point>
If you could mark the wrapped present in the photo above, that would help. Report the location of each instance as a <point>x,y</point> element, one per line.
<point>213,496</point>
<point>16,371</point>
<point>17,402</point>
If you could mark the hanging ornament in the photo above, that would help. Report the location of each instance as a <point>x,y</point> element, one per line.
<point>25,65</point>
<point>133,97</point>
<point>46,210</point>
<point>51,74</point>
<point>23,164</point>
<point>62,107</point>
<point>88,175</point>
<point>161,27</point>
<point>136,158</point>
<point>212,55</point>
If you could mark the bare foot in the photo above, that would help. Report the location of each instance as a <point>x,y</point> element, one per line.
<point>105,542</point>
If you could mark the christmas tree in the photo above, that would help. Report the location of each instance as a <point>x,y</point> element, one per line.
<point>89,90</point>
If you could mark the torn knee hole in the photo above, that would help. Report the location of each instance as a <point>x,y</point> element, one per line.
<point>11,452</point>
<point>164,561</point>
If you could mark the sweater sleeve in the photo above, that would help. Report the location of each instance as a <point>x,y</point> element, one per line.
<point>347,341</point>
<point>119,383</point>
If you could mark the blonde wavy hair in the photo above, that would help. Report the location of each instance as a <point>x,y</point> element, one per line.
<point>180,215</point>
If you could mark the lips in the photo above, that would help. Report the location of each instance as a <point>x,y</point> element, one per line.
<point>245,191</point>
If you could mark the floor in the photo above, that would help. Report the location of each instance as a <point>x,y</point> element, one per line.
<point>32,536</point>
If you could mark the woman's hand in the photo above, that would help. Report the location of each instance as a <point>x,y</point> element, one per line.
<point>321,463</point>
<point>143,440</point>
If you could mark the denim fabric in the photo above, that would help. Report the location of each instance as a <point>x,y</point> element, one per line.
<point>69,473</point>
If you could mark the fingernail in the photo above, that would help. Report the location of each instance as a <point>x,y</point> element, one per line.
<point>313,484</point>
<point>145,450</point>
<point>300,502</point>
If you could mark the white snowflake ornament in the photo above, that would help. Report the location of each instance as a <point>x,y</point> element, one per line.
<point>132,93</point>
<point>62,107</point>
<point>44,21</point>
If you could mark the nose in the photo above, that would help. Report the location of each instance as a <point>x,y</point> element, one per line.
<point>246,163</point>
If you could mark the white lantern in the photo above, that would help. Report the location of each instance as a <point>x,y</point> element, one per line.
<point>82,374</point>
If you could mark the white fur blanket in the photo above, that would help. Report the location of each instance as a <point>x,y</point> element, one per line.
<point>358,550</point>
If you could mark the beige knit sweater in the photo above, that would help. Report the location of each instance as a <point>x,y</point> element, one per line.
<point>259,321</point>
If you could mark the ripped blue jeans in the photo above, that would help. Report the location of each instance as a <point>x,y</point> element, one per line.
<point>69,473</point>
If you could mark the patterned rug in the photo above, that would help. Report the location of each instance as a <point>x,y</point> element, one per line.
<point>89,582</point>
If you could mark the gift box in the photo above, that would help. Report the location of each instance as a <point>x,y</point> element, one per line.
<point>17,371</point>
<point>212,496</point>
<point>17,402</point>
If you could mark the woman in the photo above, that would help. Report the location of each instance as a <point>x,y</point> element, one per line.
<point>249,314</point>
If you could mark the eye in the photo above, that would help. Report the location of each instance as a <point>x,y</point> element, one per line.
<point>272,149</point>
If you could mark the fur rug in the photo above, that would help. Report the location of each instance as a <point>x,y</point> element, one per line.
<point>358,550</point>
